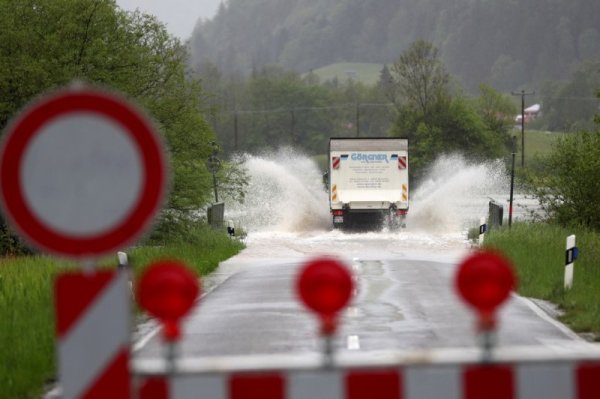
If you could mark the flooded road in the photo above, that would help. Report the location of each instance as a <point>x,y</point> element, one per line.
<point>405,297</point>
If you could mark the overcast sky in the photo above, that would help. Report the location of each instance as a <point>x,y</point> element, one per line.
<point>180,16</point>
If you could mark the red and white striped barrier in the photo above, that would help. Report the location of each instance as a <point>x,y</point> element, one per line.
<point>92,327</point>
<point>508,381</point>
<point>576,377</point>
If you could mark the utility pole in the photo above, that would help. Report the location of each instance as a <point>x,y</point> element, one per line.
<point>235,131</point>
<point>214,164</point>
<point>357,119</point>
<point>293,126</point>
<point>512,181</point>
<point>523,94</point>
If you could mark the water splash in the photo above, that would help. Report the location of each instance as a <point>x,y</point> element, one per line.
<point>455,193</point>
<point>285,194</point>
<point>286,211</point>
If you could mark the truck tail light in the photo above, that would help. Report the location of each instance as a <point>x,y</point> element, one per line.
<point>402,212</point>
<point>338,213</point>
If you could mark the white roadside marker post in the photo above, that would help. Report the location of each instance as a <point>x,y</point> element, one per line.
<point>570,255</point>
<point>125,267</point>
<point>482,230</point>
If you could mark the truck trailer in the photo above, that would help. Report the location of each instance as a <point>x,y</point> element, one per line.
<point>368,181</point>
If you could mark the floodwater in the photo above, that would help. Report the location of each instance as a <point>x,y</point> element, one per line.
<point>286,211</point>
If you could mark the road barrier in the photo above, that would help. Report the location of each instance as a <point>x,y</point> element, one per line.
<point>521,373</point>
<point>484,281</point>
<point>92,327</point>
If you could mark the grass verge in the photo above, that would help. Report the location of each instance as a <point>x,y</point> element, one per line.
<point>538,252</point>
<point>27,353</point>
<point>537,143</point>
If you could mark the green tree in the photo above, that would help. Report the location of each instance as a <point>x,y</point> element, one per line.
<point>597,116</point>
<point>570,105</point>
<point>497,112</point>
<point>53,42</point>
<point>420,77</point>
<point>434,121</point>
<point>568,183</point>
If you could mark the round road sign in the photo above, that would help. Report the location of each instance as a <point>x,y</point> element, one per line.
<point>82,173</point>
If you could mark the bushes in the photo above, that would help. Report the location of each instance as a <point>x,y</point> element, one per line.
<point>10,243</point>
<point>567,183</point>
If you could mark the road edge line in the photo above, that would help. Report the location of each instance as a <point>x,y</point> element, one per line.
<point>545,316</point>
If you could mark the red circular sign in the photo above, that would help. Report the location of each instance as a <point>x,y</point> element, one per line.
<point>485,280</point>
<point>82,173</point>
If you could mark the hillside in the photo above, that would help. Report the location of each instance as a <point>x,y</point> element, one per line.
<point>508,44</point>
<point>366,73</point>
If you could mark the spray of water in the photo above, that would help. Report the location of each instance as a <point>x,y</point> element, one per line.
<point>285,194</point>
<point>286,210</point>
<point>455,193</point>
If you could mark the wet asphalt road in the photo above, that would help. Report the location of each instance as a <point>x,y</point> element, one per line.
<point>399,304</point>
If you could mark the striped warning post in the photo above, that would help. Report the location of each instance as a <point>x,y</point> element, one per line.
<point>554,380</point>
<point>92,328</point>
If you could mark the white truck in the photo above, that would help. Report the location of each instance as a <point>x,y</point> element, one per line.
<point>368,181</point>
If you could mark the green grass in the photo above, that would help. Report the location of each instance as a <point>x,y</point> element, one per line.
<point>203,251</point>
<point>27,332</point>
<point>538,252</point>
<point>27,353</point>
<point>537,143</point>
<point>366,73</point>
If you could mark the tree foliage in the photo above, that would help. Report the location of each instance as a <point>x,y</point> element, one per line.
<point>567,181</point>
<point>50,43</point>
<point>570,105</point>
<point>437,122</point>
<point>420,77</point>
<point>274,108</point>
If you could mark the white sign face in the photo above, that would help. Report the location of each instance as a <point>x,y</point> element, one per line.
<point>81,174</point>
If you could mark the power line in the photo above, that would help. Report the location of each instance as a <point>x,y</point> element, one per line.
<point>376,105</point>
<point>293,108</point>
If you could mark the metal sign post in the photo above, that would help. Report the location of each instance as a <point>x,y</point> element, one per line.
<point>325,286</point>
<point>484,281</point>
<point>512,181</point>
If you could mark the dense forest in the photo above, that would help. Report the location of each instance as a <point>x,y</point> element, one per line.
<point>507,44</point>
